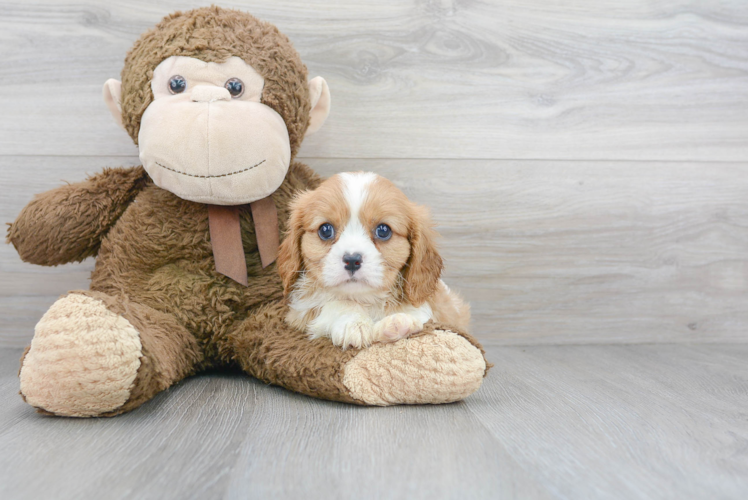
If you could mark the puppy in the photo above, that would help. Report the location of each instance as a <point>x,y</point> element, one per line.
<point>359,264</point>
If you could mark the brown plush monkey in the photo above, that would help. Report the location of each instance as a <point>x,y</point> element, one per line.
<point>218,103</point>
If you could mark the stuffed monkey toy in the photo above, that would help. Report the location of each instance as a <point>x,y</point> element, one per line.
<point>218,103</point>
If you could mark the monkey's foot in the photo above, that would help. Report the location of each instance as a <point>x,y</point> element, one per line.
<point>438,366</point>
<point>83,359</point>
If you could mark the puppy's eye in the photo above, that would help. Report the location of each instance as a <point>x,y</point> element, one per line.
<point>326,232</point>
<point>235,87</point>
<point>177,84</point>
<point>383,232</point>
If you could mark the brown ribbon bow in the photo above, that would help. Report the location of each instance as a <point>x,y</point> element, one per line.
<point>226,237</point>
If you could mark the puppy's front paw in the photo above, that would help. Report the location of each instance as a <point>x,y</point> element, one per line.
<point>356,333</point>
<point>396,326</point>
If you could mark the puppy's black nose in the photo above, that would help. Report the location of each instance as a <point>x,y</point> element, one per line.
<point>352,262</point>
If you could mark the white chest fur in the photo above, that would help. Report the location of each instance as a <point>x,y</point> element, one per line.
<point>355,321</point>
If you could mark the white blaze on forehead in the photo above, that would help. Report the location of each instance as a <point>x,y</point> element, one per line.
<point>354,236</point>
<point>355,189</point>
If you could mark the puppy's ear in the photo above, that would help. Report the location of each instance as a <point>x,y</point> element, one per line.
<point>424,267</point>
<point>290,262</point>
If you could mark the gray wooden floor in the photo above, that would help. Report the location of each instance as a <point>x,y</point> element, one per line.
<point>636,421</point>
<point>587,165</point>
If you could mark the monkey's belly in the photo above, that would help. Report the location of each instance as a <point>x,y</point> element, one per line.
<point>159,254</point>
<point>207,304</point>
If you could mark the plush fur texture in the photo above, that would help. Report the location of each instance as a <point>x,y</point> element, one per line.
<point>155,288</point>
<point>62,226</point>
<point>83,360</point>
<point>214,34</point>
<point>374,377</point>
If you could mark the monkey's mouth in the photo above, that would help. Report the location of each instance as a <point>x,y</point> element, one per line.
<point>209,176</point>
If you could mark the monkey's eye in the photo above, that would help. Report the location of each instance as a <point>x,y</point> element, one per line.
<point>383,232</point>
<point>177,84</point>
<point>326,231</point>
<point>235,87</point>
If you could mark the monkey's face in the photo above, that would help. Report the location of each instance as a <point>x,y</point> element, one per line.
<point>213,128</point>
<point>206,136</point>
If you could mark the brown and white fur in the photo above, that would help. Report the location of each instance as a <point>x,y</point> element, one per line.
<point>394,285</point>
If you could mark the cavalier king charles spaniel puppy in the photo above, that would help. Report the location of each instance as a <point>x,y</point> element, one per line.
<point>359,264</point>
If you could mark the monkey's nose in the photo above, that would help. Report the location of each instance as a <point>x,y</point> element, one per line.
<point>352,262</point>
<point>209,93</point>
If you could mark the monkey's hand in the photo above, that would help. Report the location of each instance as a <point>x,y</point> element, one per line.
<point>67,224</point>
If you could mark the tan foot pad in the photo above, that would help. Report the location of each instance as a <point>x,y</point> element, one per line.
<point>435,368</point>
<point>83,359</point>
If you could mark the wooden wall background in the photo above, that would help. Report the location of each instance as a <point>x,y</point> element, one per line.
<point>587,161</point>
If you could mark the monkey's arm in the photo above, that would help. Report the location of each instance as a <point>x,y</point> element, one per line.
<point>67,224</point>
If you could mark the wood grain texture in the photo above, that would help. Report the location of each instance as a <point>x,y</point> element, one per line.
<point>424,79</point>
<point>623,421</point>
<point>546,252</point>
<point>224,436</point>
<point>587,165</point>
<point>612,422</point>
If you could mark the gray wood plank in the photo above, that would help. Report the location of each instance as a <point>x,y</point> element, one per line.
<point>641,421</point>
<point>228,436</point>
<point>10,411</point>
<point>411,79</point>
<point>576,422</point>
<point>546,252</point>
<point>335,451</point>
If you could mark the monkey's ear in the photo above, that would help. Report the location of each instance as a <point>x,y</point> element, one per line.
<point>319,94</point>
<point>113,99</point>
